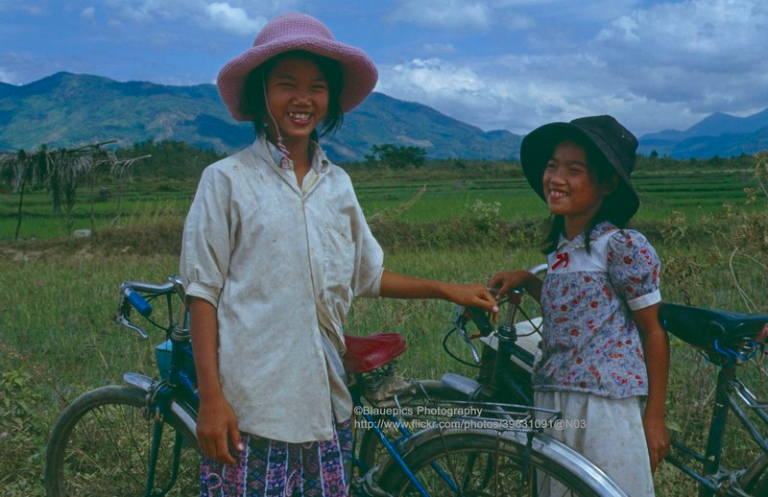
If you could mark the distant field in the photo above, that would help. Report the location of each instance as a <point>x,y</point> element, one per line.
<point>696,193</point>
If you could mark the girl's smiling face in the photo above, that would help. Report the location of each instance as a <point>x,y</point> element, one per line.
<point>297,97</point>
<point>571,188</point>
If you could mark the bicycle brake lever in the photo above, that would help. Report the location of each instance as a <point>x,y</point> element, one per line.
<point>460,321</point>
<point>123,321</point>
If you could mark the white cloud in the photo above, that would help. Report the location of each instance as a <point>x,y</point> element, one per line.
<point>438,48</point>
<point>15,6</point>
<point>149,10</point>
<point>444,13</point>
<point>515,21</point>
<point>234,19</point>
<point>708,52</point>
<point>664,66</point>
<point>241,17</point>
<point>88,13</point>
<point>7,76</point>
<point>454,88</point>
<point>520,93</point>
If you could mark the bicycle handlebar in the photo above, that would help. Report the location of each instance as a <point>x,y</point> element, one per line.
<point>134,293</point>
<point>480,316</point>
<point>481,319</point>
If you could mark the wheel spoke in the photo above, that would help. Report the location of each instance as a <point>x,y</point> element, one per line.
<point>101,446</point>
<point>482,465</point>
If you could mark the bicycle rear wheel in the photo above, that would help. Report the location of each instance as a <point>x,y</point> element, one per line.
<point>100,445</point>
<point>484,463</point>
<point>371,451</point>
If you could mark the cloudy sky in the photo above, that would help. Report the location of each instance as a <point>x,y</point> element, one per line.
<point>497,64</point>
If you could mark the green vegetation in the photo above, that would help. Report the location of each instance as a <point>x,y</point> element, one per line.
<point>166,176</point>
<point>395,157</point>
<point>451,220</point>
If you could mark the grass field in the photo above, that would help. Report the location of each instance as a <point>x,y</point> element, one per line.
<point>57,339</point>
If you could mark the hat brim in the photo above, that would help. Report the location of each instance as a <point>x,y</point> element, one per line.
<point>359,74</point>
<point>536,150</point>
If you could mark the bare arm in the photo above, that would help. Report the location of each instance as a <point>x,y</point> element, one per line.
<point>656,351</point>
<point>400,286</point>
<point>216,421</point>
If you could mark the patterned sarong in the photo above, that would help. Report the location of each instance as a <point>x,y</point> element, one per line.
<point>272,468</point>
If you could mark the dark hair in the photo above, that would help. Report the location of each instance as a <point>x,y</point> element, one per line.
<point>252,102</point>
<point>601,169</point>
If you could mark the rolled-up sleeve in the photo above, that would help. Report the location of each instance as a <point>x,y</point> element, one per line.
<point>205,250</point>
<point>633,266</point>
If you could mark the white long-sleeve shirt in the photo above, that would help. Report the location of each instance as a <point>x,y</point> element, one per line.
<point>281,264</point>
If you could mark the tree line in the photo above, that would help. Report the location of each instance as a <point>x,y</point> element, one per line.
<point>61,172</point>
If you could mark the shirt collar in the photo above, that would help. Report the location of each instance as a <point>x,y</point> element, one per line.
<point>578,242</point>
<point>320,162</point>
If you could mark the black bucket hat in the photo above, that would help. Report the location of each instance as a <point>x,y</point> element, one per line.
<point>615,142</point>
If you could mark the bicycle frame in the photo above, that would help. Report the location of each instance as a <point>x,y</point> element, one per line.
<point>386,442</point>
<point>730,394</point>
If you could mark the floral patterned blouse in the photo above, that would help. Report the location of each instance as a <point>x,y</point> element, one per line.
<point>591,343</point>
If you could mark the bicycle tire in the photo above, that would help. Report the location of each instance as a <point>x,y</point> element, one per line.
<point>372,452</point>
<point>100,446</point>
<point>489,463</point>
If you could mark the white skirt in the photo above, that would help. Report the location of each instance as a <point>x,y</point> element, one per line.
<point>608,432</point>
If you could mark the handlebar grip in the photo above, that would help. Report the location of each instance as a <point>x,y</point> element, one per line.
<point>138,302</point>
<point>481,320</point>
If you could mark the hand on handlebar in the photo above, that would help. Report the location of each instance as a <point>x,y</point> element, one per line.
<point>472,295</point>
<point>505,281</point>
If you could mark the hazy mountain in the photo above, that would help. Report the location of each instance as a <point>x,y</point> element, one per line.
<point>718,134</point>
<point>67,109</point>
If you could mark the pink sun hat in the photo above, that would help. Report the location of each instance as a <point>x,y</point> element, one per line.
<point>290,32</point>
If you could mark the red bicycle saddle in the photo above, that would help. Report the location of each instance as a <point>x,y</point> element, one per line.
<point>366,353</point>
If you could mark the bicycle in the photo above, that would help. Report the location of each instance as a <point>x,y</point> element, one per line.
<point>114,441</point>
<point>727,339</point>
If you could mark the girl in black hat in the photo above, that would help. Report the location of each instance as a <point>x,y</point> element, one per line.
<point>605,356</point>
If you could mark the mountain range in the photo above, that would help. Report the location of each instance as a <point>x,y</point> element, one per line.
<point>67,109</point>
<point>719,135</point>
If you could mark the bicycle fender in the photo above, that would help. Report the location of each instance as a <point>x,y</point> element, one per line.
<point>181,410</point>
<point>541,443</point>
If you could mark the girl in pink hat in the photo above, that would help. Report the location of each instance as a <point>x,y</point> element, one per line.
<point>275,247</point>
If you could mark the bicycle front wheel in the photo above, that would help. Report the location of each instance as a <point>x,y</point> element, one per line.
<point>101,444</point>
<point>485,463</point>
